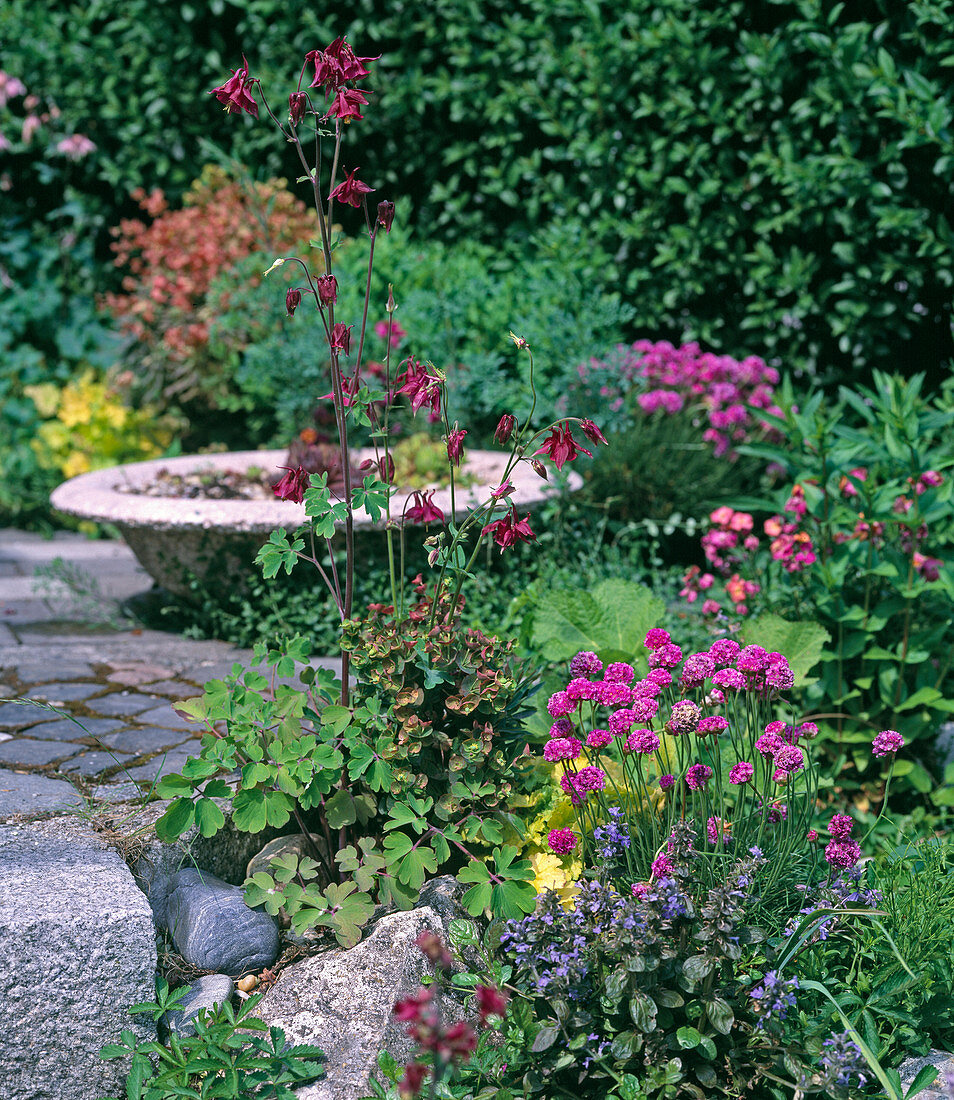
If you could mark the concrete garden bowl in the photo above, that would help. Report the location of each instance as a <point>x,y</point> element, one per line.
<point>177,539</point>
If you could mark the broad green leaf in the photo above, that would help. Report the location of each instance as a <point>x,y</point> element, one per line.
<point>177,818</point>
<point>208,817</point>
<point>340,810</point>
<point>802,643</point>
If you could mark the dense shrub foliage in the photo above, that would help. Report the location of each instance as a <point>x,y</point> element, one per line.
<point>769,175</point>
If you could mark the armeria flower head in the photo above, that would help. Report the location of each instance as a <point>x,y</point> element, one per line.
<point>842,854</point>
<point>560,446</point>
<point>698,776</point>
<point>580,784</point>
<point>234,94</point>
<point>510,530</point>
<point>741,773</point>
<point>656,638</point>
<point>887,742</point>
<point>424,510</point>
<point>840,826</point>
<point>350,190</point>
<point>562,748</point>
<point>585,663</point>
<point>562,841</point>
<point>293,485</point>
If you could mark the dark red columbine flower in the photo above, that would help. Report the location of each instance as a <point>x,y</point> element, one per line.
<point>505,427</point>
<point>385,215</point>
<point>539,469</point>
<point>297,105</point>
<point>350,190</point>
<point>341,337</point>
<point>347,104</point>
<point>293,485</point>
<point>292,300</point>
<point>420,387</point>
<point>336,64</point>
<point>510,530</point>
<point>561,447</point>
<point>455,444</point>
<point>234,93</point>
<point>415,1074</point>
<point>592,432</point>
<point>424,510</point>
<point>327,289</point>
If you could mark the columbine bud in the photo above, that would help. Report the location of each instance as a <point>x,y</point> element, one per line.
<point>292,300</point>
<point>592,432</point>
<point>341,337</point>
<point>539,468</point>
<point>327,289</point>
<point>385,215</point>
<point>391,307</point>
<point>505,428</point>
<point>297,105</point>
<point>386,468</point>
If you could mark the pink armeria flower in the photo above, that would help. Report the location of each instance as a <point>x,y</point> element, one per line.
<point>714,724</point>
<point>779,676</point>
<point>842,854</point>
<point>562,841</point>
<point>697,776</point>
<point>598,739</point>
<point>666,782</point>
<point>641,741</point>
<point>808,730</point>
<point>581,688</point>
<point>559,705</point>
<point>667,656</point>
<point>741,773</point>
<point>613,694</point>
<point>717,829</point>
<point>620,672</point>
<point>698,666</point>
<point>622,721</point>
<point>753,658</point>
<point>645,707</point>
<point>729,678</point>
<point>562,748</point>
<point>811,836</point>
<point>562,727</point>
<point>580,784</point>
<point>657,638</point>
<point>887,742</point>
<point>790,758</point>
<point>586,663</point>
<point>641,889</point>
<point>769,743</point>
<point>660,676</point>
<point>840,826</point>
<point>724,651</point>
<point>662,866</point>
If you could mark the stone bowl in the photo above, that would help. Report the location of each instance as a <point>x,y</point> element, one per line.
<point>178,540</point>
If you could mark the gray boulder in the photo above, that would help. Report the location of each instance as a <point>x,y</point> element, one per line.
<point>341,1001</point>
<point>213,928</point>
<point>205,992</point>
<point>941,1089</point>
<point>77,948</point>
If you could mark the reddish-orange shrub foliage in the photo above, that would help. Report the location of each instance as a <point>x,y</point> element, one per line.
<point>172,262</point>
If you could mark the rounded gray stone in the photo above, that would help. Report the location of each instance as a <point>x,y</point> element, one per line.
<point>121,703</point>
<point>214,929</point>
<point>22,793</point>
<point>63,729</point>
<point>206,992</point>
<point>21,750</point>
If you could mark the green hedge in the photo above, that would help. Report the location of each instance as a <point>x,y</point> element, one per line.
<point>770,177</point>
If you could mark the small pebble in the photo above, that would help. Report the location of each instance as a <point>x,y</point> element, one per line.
<point>247,984</point>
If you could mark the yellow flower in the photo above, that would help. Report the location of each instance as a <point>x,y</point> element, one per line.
<point>76,463</point>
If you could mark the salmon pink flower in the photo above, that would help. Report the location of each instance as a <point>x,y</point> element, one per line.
<point>560,446</point>
<point>234,93</point>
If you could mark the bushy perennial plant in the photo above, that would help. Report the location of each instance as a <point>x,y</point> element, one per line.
<point>387,778</point>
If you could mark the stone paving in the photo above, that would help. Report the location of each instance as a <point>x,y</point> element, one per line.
<point>94,716</point>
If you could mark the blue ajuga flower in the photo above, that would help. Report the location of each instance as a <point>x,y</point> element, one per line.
<point>772,998</point>
<point>842,1063</point>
